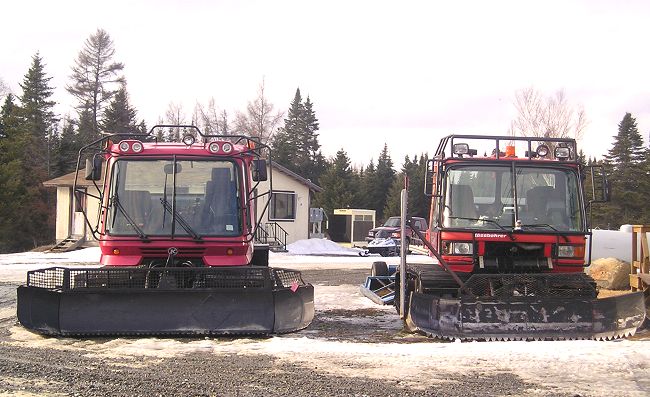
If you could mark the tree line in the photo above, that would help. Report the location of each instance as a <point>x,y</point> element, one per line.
<point>37,145</point>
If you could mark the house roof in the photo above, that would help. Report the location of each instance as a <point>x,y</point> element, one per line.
<point>68,179</point>
<point>304,181</point>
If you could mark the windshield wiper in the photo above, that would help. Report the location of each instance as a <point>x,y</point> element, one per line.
<point>480,220</point>
<point>181,221</point>
<point>566,239</point>
<point>129,219</point>
<point>488,221</point>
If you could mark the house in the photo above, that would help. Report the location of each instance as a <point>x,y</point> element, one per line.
<point>285,221</point>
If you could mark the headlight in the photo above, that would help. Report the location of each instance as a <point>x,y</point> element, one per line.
<point>562,153</point>
<point>371,233</point>
<point>462,248</point>
<point>395,234</point>
<point>189,140</point>
<point>570,251</point>
<point>137,147</point>
<point>457,248</point>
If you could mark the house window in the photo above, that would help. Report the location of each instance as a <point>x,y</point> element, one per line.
<point>283,206</point>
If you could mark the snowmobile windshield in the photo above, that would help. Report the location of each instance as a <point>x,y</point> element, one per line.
<point>191,198</point>
<point>483,197</point>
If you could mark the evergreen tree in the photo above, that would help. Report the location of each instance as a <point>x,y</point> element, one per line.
<point>367,187</point>
<point>296,144</point>
<point>120,116</point>
<point>94,76</point>
<point>285,141</point>
<point>36,110</point>
<point>418,204</point>
<point>381,182</point>
<point>26,207</point>
<point>315,163</point>
<point>68,148</point>
<point>338,183</point>
<point>625,166</point>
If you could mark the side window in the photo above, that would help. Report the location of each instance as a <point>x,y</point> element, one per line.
<point>283,206</point>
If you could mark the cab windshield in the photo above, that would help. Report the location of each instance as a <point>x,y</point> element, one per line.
<point>192,198</point>
<point>483,197</point>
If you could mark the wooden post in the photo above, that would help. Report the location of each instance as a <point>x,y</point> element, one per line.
<point>640,265</point>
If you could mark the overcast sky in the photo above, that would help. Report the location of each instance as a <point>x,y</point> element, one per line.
<point>403,73</point>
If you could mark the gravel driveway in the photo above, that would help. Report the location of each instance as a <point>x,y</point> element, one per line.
<point>32,365</point>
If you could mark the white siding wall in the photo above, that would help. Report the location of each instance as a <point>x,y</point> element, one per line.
<point>297,229</point>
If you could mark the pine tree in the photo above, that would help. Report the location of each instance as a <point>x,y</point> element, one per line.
<point>120,116</point>
<point>94,76</point>
<point>338,183</point>
<point>296,144</point>
<point>37,113</point>
<point>625,166</point>
<point>314,165</point>
<point>26,207</point>
<point>381,182</point>
<point>68,148</point>
<point>285,141</point>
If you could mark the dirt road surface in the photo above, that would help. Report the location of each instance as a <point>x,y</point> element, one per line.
<point>354,348</point>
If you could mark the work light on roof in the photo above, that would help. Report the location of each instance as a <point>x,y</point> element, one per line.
<point>213,147</point>
<point>542,151</point>
<point>189,140</point>
<point>226,147</point>
<point>137,147</point>
<point>461,148</point>
<point>562,153</point>
<point>124,146</point>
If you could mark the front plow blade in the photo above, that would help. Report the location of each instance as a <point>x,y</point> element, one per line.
<point>526,318</point>
<point>165,301</point>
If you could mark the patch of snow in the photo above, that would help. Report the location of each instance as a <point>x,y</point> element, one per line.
<point>14,267</point>
<point>320,246</point>
<point>343,297</point>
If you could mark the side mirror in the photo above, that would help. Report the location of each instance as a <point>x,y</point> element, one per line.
<point>431,177</point>
<point>258,170</point>
<point>94,168</point>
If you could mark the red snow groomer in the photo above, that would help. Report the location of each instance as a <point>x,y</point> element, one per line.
<point>175,224</point>
<point>508,226</point>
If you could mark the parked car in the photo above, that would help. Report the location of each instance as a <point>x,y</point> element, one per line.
<point>385,240</point>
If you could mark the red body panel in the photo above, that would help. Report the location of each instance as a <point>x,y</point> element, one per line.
<point>465,264</point>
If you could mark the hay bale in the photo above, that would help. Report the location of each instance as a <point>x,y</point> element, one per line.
<point>610,273</point>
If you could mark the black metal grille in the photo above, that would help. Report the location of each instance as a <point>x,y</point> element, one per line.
<point>532,285</point>
<point>109,278</point>
<point>287,278</point>
<point>52,278</point>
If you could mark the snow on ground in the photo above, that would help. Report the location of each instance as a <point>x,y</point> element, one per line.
<point>14,267</point>
<point>582,367</point>
<point>319,246</point>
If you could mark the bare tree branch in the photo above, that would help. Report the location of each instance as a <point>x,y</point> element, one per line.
<point>260,119</point>
<point>550,117</point>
